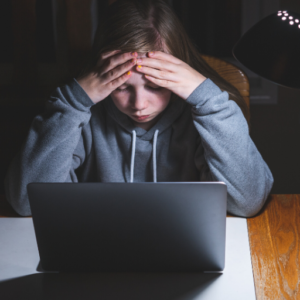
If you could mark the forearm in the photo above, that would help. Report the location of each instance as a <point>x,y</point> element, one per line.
<point>229,151</point>
<point>47,154</point>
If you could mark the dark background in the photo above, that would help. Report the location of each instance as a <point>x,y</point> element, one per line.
<point>213,25</point>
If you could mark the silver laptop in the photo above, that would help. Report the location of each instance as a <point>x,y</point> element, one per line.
<point>130,227</point>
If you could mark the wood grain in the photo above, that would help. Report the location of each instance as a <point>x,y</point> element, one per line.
<point>274,244</point>
<point>232,74</point>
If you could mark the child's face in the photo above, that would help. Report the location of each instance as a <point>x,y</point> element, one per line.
<point>139,97</point>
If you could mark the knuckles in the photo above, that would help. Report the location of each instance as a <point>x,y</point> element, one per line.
<point>163,74</point>
<point>111,73</point>
<point>105,64</point>
<point>125,56</point>
<point>109,61</point>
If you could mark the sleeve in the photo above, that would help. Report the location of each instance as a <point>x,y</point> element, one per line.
<point>229,151</point>
<point>54,147</point>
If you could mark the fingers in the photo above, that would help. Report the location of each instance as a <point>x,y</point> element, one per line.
<point>157,64</point>
<point>159,82</point>
<point>164,56</point>
<point>119,81</point>
<point>110,53</point>
<point>110,61</point>
<point>115,65</point>
<point>117,76</point>
<point>118,71</point>
<point>161,66</point>
<point>104,56</point>
<point>159,74</point>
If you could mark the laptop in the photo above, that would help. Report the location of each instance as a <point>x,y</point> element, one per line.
<point>130,227</point>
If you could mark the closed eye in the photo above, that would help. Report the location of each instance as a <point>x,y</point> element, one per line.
<point>121,90</point>
<point>154,88</point>
<point>148,87</point>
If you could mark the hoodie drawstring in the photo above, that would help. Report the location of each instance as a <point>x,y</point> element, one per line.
<point>153,155</point>
<point>132,155</point>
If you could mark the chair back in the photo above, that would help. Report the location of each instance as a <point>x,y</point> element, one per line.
<point>230,73</point>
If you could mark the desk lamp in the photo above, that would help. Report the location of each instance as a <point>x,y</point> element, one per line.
<point>271,49</point>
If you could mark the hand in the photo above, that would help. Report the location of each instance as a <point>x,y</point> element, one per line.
<point>170,72</point>
<point>112,71</point>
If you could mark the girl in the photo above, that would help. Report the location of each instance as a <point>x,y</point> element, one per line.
<point>146,108</point>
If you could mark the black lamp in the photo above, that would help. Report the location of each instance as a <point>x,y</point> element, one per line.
<point>271,49</point>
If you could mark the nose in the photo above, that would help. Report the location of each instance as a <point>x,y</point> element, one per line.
<point>138,102</point>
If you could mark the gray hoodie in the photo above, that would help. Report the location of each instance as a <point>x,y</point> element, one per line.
<point>204,138</point>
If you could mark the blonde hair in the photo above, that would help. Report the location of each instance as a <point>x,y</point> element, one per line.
<point>147,25</point>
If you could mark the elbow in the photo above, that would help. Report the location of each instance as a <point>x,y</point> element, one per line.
<point>252,212</point>
<point>23,212</point>
<point>250,204</point>
<point>243,211</point>
<point>22,208</point>
<point>246,207</point>
<point>18,202</point>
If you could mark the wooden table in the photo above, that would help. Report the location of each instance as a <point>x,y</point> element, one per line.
<point>274,236</point>
<point>275,248</point>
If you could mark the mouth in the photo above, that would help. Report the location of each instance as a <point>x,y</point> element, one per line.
<point>141,117</point>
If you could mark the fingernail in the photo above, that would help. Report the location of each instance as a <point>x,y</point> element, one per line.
<point>133,53</point>
<point>128,73</point>
<point>139,67</point>
<point>133,61</point>
<point>139,60</point>
<point>151,53</point>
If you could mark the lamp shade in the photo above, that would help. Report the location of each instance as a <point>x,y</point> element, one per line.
<point>271,49</point>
